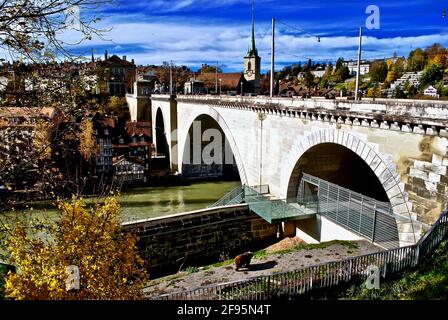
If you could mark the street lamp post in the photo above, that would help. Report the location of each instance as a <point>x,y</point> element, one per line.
<point>261,117</point>
<point>171,77</point>
<point>220,81</point>
<point>216,78</point>
<point>357,96</point>
<point>241,88</point>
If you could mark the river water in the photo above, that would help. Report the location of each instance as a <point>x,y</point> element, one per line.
<point>143,203</point>
<point>149,202</point>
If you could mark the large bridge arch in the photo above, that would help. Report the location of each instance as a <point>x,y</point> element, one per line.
<point>160,132</point>
<point>339,165</point>
<point>185,125</point>
<point>378,169</point>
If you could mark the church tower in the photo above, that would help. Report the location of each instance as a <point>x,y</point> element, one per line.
<point>252,63</point>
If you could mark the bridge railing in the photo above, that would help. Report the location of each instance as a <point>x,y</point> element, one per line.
<point>309,279</point>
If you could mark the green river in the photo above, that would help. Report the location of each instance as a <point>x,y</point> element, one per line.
<point>151,202</point>
<point>143,203</point>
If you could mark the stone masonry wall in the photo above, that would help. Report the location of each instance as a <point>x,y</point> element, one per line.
<point>200,237</point>
<point>427,183</point>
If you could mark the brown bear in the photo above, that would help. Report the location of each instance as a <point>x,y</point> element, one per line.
<point>243,260</point>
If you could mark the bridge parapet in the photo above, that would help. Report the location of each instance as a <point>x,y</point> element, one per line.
<point>418,116</point>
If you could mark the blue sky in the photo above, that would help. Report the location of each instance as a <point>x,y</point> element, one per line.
<point>192,32</point>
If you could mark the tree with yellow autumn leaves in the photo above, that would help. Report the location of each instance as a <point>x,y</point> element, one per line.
<point>91,240</point>
<point>42,140</point>
<point>86,138</point>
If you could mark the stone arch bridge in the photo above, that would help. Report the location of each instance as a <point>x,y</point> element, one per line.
<point>390,150</point>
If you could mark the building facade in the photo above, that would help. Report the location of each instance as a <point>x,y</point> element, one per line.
<point>352,66</point>
<point>431,92</point>
<point>194,86</point>
<point>128,171</point>
<point>117,75</point>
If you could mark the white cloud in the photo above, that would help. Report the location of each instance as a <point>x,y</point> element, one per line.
<point>195,42</point>
<point>170,6</point>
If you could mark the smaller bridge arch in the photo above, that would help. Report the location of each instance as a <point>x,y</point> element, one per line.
<point>161,141</point>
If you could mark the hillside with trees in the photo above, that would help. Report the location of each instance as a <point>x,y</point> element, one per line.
<point>430,63</point>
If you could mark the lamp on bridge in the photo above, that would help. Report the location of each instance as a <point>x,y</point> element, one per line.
<point>261,117</point>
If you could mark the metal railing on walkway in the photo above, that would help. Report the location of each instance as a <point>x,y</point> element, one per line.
<point>232,198</point>
<point>362,215</point>
<point>272,211</point>
<point>306,280</point>
<point>277,210</point>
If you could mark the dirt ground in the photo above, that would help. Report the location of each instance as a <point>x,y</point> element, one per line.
<point>270,262</point>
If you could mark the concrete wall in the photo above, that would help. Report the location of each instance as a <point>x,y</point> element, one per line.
<point>200,237</point>
<point>403,142</point>
<point>331,231</point>
<point>326,231</point>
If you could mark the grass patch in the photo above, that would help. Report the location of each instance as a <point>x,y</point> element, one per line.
<point>191,270</point>
<point>260,254</point>
<point>219,264</point>
<point>428,282</point>
<point>317,246</point>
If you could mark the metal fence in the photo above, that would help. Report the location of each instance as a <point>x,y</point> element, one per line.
<point>274,211</point>
<point>239,195</point>
<point>230,197</point>
<point>364,216</point>
<point>306,280</point>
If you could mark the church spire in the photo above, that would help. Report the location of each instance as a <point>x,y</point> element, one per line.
<point>253,50</point>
